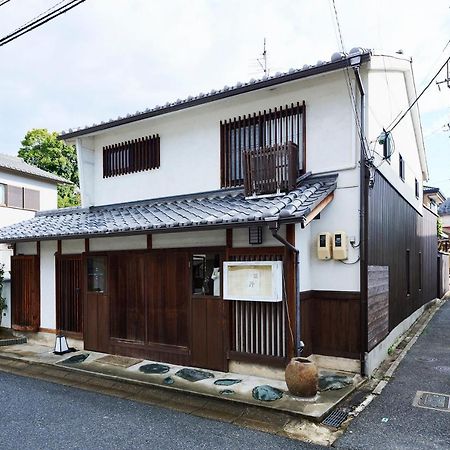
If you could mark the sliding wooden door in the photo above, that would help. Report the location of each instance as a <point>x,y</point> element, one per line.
<point>25,293</point>
<point>69,299</point>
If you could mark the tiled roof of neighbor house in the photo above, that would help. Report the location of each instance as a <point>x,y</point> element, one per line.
<point>337,61</point>
<point>196,211</point>
<point>16,164</point>
<point>444,208</point>
<point>430,190</point>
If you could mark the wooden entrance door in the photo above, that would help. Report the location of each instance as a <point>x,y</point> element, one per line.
<point>96,305</point>
<point>208,312</point>
<point>69,299</point>
<point>25,293</point>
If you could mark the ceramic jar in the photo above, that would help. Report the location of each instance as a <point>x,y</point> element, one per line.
<point>302,377</point>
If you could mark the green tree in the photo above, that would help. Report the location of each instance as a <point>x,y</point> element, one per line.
<point>43,149</point>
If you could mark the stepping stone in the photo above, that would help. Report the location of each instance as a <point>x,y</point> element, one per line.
<point>334,382</point>
<point>194,374</point>
<point>77,359</point>
<point>153,369</point>
<point>227,382</point>
<point>266,393</point>
<point>168,380</point>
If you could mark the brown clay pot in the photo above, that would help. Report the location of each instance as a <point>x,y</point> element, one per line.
<point>302,377</point>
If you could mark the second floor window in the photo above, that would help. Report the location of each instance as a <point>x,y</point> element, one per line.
<point>401,167</point>
<point>279,126</point>
<point>19,197</point>
<point>131,156</point>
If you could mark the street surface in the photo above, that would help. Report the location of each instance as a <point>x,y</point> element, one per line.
<point>391,421</point>
<point>40,415</point>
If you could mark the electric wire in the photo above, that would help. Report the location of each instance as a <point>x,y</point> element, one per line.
<point>4,2</point>
<point>40,20</point>
<point>420,95</point>
<point>351,93</point>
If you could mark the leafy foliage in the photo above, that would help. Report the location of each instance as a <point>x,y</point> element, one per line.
<point>439,228</point>
<point>43,149</point>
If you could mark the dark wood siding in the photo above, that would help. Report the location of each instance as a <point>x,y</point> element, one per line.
<point>330,323</point>
<point>396,228</point>
<point>25,293</point>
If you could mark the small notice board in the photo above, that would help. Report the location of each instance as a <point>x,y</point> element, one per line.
<point>259,281</point>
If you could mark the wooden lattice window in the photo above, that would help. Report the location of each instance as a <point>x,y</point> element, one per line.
<point>131,156</point>
<point>271,128</point>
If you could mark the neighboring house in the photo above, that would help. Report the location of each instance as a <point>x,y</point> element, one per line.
<point>444,214</point>
<point>250,173</point>
<point>24,189</point>
<point>433,198</point>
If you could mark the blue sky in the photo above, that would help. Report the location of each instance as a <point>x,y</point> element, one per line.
<point>107,58</point>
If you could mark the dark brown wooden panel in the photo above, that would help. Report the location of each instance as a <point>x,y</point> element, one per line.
<point>127,272</point>
<point>395,227</point>
<point>25,292</point>
<point>168,298</point>
<point>69,288</point>
<point>330,323</point>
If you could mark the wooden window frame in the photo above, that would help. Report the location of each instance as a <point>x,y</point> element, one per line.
<point>133,156</point>
<point>279,126</point>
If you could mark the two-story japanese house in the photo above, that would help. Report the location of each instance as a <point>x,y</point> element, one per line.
<point>189,208</point>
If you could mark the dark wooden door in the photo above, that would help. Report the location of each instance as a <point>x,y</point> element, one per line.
<point>25,293</point>
<point>69,299</point>
<point>96,306</point>
<point>207,315</point>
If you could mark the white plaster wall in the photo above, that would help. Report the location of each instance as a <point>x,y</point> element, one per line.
<point>190,239</point>
<point>342,214</point>
<point>72,246</point>
<point>26,248</point>
<point>388,96</point>
<point>118,243</point>
<point>48,284</point>
<point>190,141</point>
<point>303,242</point>
<point>48,197</point>
<point>6,293</point>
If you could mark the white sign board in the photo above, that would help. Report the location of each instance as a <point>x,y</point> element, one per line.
<point>258,281</point>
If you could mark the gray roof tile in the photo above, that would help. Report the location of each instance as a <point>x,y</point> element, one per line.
<point>212,209</point>
<point>16,164</point>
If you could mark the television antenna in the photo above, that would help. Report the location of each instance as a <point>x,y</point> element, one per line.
<point>263,60</point>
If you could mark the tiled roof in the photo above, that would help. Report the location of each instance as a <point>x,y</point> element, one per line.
<point>430,190</point>
<point>337,61</point>
<point>213,209</point>
<point>16,164</point>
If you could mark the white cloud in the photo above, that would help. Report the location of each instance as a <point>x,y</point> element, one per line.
<point>106,58</point>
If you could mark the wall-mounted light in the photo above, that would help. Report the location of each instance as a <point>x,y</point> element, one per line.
<point>255,235</point>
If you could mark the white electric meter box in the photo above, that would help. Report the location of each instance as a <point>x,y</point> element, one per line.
<point>324,246</point>
<point>254,281</point>
<point>340,245</point>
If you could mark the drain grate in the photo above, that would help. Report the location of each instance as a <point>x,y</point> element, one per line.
<point>336,418</point>
<point>432,400</point>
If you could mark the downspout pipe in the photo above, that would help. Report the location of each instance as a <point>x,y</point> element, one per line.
<point>299,345</point>
<point>363,224</point>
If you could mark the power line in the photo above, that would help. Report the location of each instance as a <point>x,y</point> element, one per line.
<point>40,20</point>
<point>4,2</point>
<point>361,134</point>
<point>420,95</point>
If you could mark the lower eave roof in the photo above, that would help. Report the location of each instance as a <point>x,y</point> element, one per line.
<point>219,209</point>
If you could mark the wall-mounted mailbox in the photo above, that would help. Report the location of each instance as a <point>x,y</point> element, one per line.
<point>324,246</point>
<point>340,245</point>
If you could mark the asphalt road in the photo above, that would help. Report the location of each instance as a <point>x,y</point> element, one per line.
<point>37,414</point>
<point>391,421</point>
